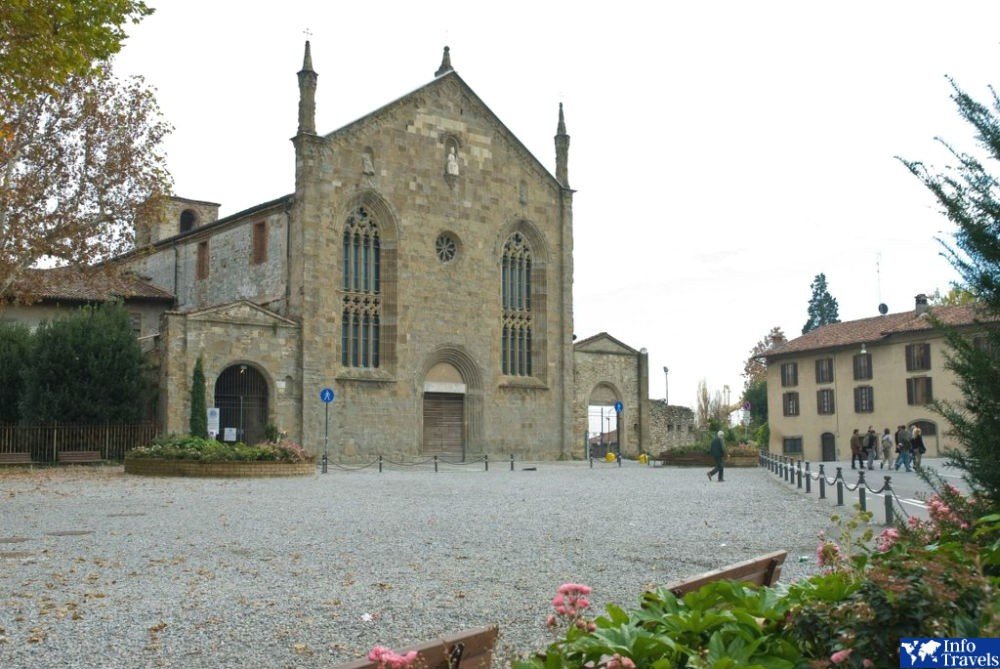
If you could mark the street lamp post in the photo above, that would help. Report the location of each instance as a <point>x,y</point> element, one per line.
<point>666,386</point>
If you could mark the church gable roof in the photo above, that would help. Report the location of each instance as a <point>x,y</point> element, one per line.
<point>240,312</point>
<point>451,84</point>
<point>604,343</point>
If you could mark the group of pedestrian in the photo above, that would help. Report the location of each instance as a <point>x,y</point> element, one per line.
<point>904,449</point>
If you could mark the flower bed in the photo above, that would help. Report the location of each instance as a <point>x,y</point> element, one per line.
<point>232,469</point>
<point>193,456</point>
<point>705,460</point>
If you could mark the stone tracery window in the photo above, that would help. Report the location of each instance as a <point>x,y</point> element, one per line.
<point>515,289</point>
<point>361,315</point>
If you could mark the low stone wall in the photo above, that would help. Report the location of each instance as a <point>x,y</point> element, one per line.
<point>705,460</point>
<point>158,467</point>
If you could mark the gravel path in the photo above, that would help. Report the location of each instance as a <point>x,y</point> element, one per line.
<point>312,571</point>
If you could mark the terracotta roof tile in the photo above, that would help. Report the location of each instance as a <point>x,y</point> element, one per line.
<point>873,330</point>
<point>97,286</point>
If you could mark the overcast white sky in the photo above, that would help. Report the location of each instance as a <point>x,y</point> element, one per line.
<point>724,152</point>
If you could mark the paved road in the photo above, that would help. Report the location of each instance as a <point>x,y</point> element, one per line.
<point>910,490</point>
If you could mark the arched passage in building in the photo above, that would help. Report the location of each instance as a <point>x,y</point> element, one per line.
<point>603,427</point>
<point>241,394</point>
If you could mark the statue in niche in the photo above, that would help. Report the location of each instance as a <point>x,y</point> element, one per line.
<point>452,166</point>
<point>367,164</point>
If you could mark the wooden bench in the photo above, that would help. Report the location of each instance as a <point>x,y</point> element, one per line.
<point>763,570</point>
<point>79,457</point>
<point>19,458</point>
<point>471,649</point>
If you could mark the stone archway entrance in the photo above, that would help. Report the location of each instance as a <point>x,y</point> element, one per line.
<point>241,395</point>
<point>603,430</point>
<point>444,412</point>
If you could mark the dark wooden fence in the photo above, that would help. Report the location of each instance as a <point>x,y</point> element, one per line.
<point>43,442</point>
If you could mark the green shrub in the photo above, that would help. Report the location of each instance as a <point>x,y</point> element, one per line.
<point>188,447</point>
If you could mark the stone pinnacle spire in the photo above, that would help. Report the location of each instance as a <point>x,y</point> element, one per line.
<point>445,63</point>
<point>562,151</point>
<point>307,95</point>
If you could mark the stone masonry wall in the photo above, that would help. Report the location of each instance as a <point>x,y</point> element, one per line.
<point>670,426</point>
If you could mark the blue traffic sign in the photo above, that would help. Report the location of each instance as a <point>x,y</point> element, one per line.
<point>618,407</point>
<point>327,395</point>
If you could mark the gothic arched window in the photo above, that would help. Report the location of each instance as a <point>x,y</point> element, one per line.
<point>362,292</point>
<point>515,291</point>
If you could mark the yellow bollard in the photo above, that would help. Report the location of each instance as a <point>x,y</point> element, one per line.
<point>609,457</point>
<point>643,459</point>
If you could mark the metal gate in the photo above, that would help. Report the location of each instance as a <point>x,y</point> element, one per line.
<point>828,444</point>
<point>241,396</point>
<point>444,424</point>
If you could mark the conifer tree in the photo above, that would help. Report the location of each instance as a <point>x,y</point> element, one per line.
<point>199,409</point>
<point>970,198</point>
<point>822,306</point>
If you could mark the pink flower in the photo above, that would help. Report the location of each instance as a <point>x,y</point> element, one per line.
<point>886,539</point>
<point>387,659</point>
<point>867,663</point>
<point>841,655</point>
<point>619,662</point>
<point>828,554</point>
<point>376,653</point>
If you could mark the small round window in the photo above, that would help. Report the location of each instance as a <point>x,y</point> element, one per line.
<point>446,247</point>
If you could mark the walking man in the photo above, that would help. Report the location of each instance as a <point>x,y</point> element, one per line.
<point>902,448</point>
<point>718,452</point>
<point>856,450</point>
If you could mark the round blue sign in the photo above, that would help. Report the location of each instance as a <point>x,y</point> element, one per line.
<point>618,407</point>
<point>326,395</point>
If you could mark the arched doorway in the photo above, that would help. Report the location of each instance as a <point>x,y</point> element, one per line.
<point>444,412</point>
<point>241,397</point>
<point>828,446</point>
<point>603,421</point>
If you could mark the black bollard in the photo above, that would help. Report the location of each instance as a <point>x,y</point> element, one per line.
<point>380,464</point>
<point>486,461</point>
<point>808,479</point>
<point>798,474</point>
<point>435,464</point>
<point>512,462</point>
<point>888,501</point>
<point>862,486</point>
<point>324,463</point>
<point>840,487</point>
<point>822,482</point>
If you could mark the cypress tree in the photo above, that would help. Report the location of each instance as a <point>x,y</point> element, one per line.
<point>199,409</point>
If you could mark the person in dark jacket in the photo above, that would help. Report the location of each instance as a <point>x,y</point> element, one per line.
<point>902,448</point>
<point>718,452</point>
<point>856,450</point>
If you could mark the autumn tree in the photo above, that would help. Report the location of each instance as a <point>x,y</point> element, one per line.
<point>76,167</point>
<point>822,305</point>
<point>45,42</point>
<point>755,375</point>
<point>970,197</point>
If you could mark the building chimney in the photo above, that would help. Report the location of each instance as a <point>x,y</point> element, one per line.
<point>921,306</point>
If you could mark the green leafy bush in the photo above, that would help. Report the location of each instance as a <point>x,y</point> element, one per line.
<point>187,447</point>
<point>934,578</point>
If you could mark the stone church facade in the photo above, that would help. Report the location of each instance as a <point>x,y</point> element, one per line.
<point>421,268</point>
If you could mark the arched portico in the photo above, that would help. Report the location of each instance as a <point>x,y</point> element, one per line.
<point>241,395</point>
